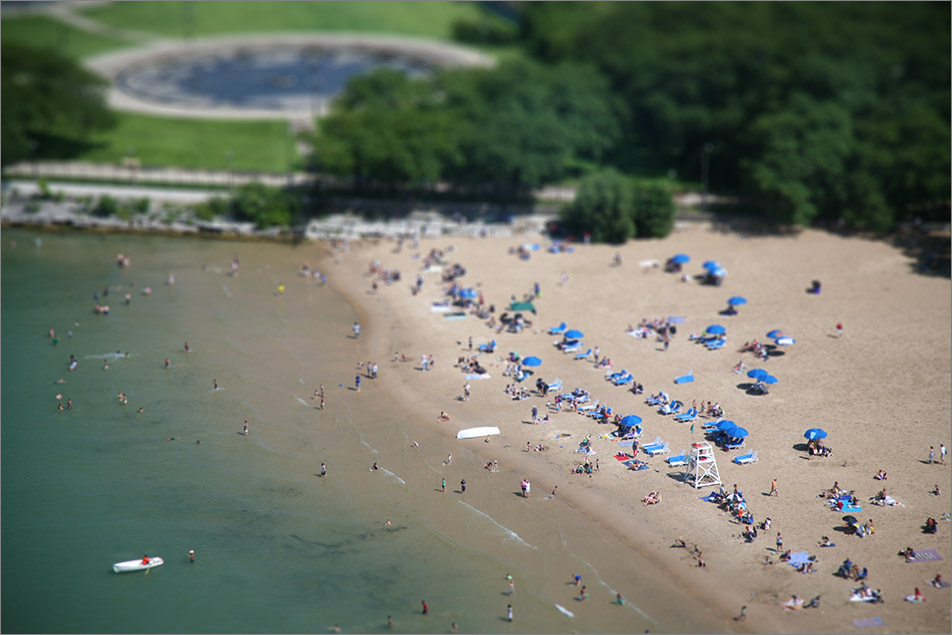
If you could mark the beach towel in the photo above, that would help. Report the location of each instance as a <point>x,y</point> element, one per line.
<point>440,308</point>
<point>684,379</point>
<point>942,585</point>
<point>926,555</point>
<point>621,456</point>
<point>478,376</point>
<point>914,599</point>
<point>869,622</point>
<point>711,498</point>
<point>455,316</point>
<point>850,510</point>
<point>832,544</point>
<point>796,559</point>
<point>636,465</point>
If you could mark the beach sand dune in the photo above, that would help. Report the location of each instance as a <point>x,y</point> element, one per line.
<point>881,390</point>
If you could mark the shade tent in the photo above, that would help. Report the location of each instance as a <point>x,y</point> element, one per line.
<point>574,334</point>
<point>681,259</point>
<point>531,361</point>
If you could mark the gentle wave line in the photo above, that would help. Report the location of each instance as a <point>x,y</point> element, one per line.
<point>511,533</point>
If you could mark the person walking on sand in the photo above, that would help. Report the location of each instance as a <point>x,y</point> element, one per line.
<point>356,328</point>
<point>779,542</point>
<point>942,453</point>
<point>357,382</point>
<point>462,486</point>
<point>743,614</point>
<point>839,329</point>
<point>323,470</point>
<point>535,414</point>
<point>245,429</point>
<point>426,609</point>
<point>931,455</point>
<point>466,391</point>
<point>509,612</point>
<point>773,488</point>
<point>512,586</point>
<point>443,485</point>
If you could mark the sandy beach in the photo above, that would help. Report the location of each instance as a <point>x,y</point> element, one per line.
<point>881,391</point>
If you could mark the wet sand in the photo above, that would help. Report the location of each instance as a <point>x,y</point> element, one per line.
<point>881,391</point>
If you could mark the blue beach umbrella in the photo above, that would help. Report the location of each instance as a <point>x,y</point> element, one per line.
<point>757,373</point>
<point>814,434</point>
<point>711,264</point>
<point>770,379</point>
<point>739,433</point>
<point>716,329</point>
<point>681,259</point>
<point>775,333</point>
<point>727,427</point>
<point>736,301</point>
<point>574,334</point>
<point>630,420</point>
<point>469,294</point>
<point>531,361</point>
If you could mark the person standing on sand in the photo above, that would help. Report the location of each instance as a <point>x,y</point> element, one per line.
<point>743,614</point>
<point>245,430</point>
<point>931,455</point>
<point>779,542</point>
<point>356,328</point>
<point>509,612</point>
<point>426,609</point>
<point>390,621</point>
<point>942,453</point>
<point>323,470</point>
<point>462,486</point>
<point>357,382</point>
<point>443,485</point>
<point>773,488</point>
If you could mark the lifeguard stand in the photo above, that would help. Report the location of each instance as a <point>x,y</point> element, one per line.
<point>702,466</point>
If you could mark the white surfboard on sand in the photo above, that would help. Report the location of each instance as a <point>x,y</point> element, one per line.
<point>472,433</point>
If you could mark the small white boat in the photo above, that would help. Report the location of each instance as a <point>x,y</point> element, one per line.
<point>473,433</point>
<point>137,565</point>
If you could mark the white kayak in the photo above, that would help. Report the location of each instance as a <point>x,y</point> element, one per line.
<point>473,433</point>
<point>137,565</point>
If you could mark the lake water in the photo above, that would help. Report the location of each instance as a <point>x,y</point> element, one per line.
<point>278,549</point>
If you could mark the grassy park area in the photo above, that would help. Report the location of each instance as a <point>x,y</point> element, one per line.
<point>52,34</point>
<point>175,19</point>
<point>259,146</point>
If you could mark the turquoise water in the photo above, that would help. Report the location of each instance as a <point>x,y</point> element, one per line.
<point>277,548</point>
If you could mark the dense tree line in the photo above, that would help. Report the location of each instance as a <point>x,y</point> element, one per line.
<point>504,129</point>
<point>813,111</point>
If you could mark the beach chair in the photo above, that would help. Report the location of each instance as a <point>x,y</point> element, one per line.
<point>655,450</point>
<point>562,344</point>
<point>588,407</point>
<point>571,348</point>
<point>688,416</point>
<point>716,344</point>
<point>558,330</point>
<point>556,385</point>
<point>584,355</point>
<point>614,376</point>
<point>652,401</point>
<point>487,348</point>
<point>670,408</point>
<point>733,444</point>
<point>685,379</point>
<point>681,458</point>
<point>626,379</point>
<point>744,459</point>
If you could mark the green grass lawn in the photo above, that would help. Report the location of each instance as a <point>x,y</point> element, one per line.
<point>44,32</point>
<point>261,146</point>
<point>171,19</point>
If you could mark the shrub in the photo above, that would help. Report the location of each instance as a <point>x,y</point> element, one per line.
<point>654,210</point>
<point>107,206</point>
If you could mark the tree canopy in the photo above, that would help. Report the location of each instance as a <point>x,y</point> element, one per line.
<point>47,98</point>
<point>817,111</point>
